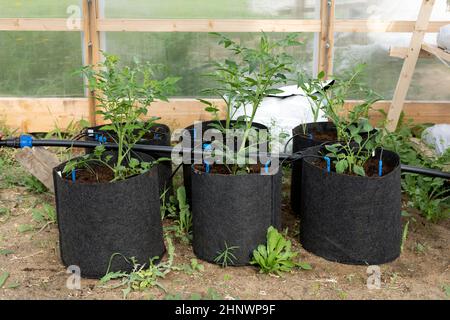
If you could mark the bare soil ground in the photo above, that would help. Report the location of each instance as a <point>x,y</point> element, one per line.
<point>35,270</point>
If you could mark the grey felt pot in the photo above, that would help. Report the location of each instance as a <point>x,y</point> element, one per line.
<point>300,142</point>
<point>236,210</point>
<point>96,220</point>
<point>190,133</point>
<point>159,135</point>
<point>351,219</point>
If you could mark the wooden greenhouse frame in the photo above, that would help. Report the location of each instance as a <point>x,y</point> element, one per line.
<point>22,113</point>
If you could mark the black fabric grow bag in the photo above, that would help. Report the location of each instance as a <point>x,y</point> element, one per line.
<point>189,133</point>
<point>233,209</point>
<point>96,220</point>
<point>301,142</point>
<point>159,135</point>
<point>351,219</point>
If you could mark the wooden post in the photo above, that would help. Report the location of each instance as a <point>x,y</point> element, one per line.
<point>91,47</point>
<point>409,64</point>
<point>326,40</point>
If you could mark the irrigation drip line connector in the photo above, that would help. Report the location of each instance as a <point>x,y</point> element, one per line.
<point>27,141</point>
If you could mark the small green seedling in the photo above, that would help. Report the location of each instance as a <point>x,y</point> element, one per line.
<point>5,252</point>
<point>183,220</point>
<point>168,206</point>
<point>5,214</point>
<point>446,289</point>
<point>226,257</point>
<point>193,267</point>
<point>227,277</point>
<point>32,184</point>
<point>3,277</point>
<point>25,228</point>
<point>420,248</point>
<point>276,256</point>
<point>45,215</point>
<point>211,294</point>
<point>404,236</point>
<point>13,285</point>
<point>142,277</point>
<point>4,211</point>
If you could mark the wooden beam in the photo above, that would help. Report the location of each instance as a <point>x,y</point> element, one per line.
<point>409,64</point>
<point>207,25</point>
<point>91,42</point>
<point>418,111</point>
<point>44,114</point>
<point>87,56</point>
<point>326,39</point>
<point>402,52</point>
<point>355,25</point>
<point>435,51</point>
<point>29,24</point>
<point>219,25</point>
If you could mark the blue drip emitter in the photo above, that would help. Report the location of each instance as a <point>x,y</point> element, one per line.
<point>380,167</point>
<point>206,146</point>
<point>327,159</point>
<point>380,164</point>
<point>266,166</point>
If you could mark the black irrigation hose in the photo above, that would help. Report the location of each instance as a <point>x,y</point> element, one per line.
<point>17,143</point>
<point>425,171</point>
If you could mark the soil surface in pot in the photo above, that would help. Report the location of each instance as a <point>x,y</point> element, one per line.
<point>370,167</point>
<point>324,135</point>
<point>221,169</point>
<point>98,174</point>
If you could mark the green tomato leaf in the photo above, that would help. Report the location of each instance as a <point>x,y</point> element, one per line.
<point>341,166</point>
<point>359,170</point>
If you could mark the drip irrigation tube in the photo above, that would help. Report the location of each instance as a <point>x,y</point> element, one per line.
<point>27,141</point>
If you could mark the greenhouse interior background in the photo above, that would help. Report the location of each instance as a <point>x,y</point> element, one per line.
<point>41,64</point>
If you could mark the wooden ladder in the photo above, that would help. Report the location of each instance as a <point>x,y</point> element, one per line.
<point>417,48</point>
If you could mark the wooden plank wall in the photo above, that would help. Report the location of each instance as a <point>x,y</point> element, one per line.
<point>34,115</point>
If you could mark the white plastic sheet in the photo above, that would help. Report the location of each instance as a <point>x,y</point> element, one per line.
<point>437,136</point>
